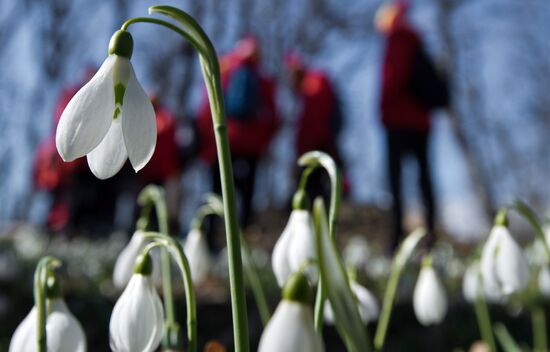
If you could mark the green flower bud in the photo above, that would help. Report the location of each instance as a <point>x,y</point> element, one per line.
<point>144,265</point>
<point>121,44</point>
<point>301,200</point>
<point>297,289</point>
<point>501,219</point>
<point>52,287</point>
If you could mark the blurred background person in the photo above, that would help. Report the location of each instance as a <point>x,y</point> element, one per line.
<point>410,89</point>
<point>319,120</point>
<point>252,121</point>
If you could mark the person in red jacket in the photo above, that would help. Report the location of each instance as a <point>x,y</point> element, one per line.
<point>319,121</point>
<point>252,120</point>
<point>404,116</point>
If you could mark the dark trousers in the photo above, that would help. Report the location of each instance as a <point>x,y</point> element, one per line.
<point>244,172</point>
<point>400,144</point>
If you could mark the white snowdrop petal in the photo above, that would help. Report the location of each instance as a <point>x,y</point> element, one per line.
<point>491,285</point>
<point>291,329</point>
<point>302,243</point>
<point>279,258</point>
<point>88,115</point>
<point>368,305</point>
<point>24,339</point>
<point>109,156</point>
<point>139,124</point>
<point>429,298</point>
<point>64,332</point>
<point>135,319</point>
<point>512,268</point>
<point>471,282</point>
<point>198,255</point>
<point>544,281</point>
<point>124,265</point>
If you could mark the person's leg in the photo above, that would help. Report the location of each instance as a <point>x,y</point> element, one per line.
<point>426,186</point>
<point>246,188</point>
<point>394,150</point>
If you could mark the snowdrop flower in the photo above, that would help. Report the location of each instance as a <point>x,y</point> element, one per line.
<point>544,281</point>
<point>471,282</point>
<point>63,331</point>
<point>429,298</point>
<point>504,268</point>
<point>110,119</point>
<point>368,306</point>
<point>124,265</point>
<point>196,251</point>
<point>291,328</point>
<point>137,319</point>
<point>356,253</point>
<point>295,247</point>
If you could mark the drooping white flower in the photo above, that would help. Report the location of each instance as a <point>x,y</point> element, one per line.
<point>196,251</point>
<point>295,246</point>
<point>110,119</point>
<point>137,319</point>
<point>291,327</point>
<point>124,265</point>
<point>471,282</point>
<point>356,252</point>
<point>429,298</point>
<point>63,332</point>
<point>366,302</point>
<point>544,281</point>
<point>504,268</point>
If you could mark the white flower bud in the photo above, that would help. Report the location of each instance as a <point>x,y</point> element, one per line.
<point>429,298</point>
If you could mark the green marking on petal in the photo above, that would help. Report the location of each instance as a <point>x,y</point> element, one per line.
<point>116,114</point>
<point>120,89</point>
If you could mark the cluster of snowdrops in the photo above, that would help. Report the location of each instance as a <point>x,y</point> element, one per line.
<point>111,120</point>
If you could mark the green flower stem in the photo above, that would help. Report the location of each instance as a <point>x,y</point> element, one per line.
<point>211,71</point>
<point>171,246</point>
<point>524,210</point>
<point>505,339</point>
<point>398,264</point>
<point>251,271</point>
<point>214,206</point>
<point>43,270</point>
<point>153,194</point>
<point>538,321</point>
<point>484,321</point>
<point>313,160</point>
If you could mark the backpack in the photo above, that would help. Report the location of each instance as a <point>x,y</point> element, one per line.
<point>427,84</point>
<point>242,94</point>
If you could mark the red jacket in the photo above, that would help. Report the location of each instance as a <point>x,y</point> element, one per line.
<point>246,138</point>
<point>399,108</point>
<point>314,130</point>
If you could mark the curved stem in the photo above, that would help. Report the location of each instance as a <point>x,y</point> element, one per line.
<point>163,24</point>
<point>211,71</point>
<point>399,261</point>
<point>43,268</point>
<point>524,210</point>
<point>313,160</point>
<point>173,247</point>
<point>506,340</point>
<point>153,194</point>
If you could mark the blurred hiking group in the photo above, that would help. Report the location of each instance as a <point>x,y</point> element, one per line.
<point>411,87</point>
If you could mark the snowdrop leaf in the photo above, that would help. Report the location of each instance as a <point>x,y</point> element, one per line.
<point>342,300</point>
<point>88,116</point>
